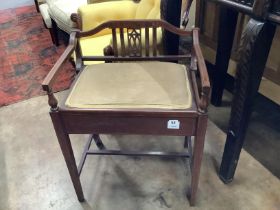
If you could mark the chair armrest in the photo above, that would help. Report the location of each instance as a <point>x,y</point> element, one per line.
<point>204,78</point>
<point>92,15</point>
<point>52,75</point>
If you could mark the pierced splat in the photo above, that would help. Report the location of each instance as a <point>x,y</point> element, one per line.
<point>134,48</point>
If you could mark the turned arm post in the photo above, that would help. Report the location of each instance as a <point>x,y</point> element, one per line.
<point>52,101</point>
<point>197,62</point>
<point>50,79</point>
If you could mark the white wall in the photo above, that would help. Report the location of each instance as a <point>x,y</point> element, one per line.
<point>191,22</point>
<point>192,16</point>
<point>5,4</point>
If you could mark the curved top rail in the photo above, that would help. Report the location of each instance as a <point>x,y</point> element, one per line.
<point>135,24</point>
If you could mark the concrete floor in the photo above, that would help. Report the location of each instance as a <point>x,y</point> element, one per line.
<point>34,175</point>
<point>263,134</point>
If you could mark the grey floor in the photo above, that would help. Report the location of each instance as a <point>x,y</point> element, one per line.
<point>34,175</point>
<point>263,135</point>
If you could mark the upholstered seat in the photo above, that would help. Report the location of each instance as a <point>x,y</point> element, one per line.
<point>161,85</point>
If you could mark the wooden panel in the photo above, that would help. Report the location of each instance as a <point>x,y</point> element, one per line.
<point>245,2</point>
<point>86,123</point>
<point>272,71</point>
<point>276,7</point>
<point>210,21</point>
<point>209,40</point>
<point>241,23</point>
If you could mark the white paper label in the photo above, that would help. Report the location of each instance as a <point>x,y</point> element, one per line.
<point>173,124</point>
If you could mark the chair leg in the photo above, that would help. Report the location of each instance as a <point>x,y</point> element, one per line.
<point>186,142</point>
<point>197,156</point>
<point>98,141</point>
<point>66,148</point>
<point>54,36</point>
<point>36,5</point>
<point>54,33</point>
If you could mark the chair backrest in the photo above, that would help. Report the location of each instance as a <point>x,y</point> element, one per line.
<point>133,31</point>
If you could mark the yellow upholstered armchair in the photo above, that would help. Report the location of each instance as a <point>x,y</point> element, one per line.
<point>94,14</point>
<point>91,15</point>
<point>56,15</point>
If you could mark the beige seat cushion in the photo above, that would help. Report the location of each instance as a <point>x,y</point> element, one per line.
<point>160,85</point>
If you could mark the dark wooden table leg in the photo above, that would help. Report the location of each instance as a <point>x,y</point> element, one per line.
<point>98,141</point>
<point>66,148</point>
<point>253,53</point>
<point>167,13</point>
<point>197,156</point>
<point>54,33</point>
<point>36,5</point>
<point>186,141</point>
<point>227,25</point>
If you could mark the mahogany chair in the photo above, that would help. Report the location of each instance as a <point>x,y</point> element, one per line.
<point>125,96</point>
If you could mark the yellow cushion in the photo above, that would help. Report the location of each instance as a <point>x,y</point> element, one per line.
<point>94,14</point>
<point>148,9</point>
<point>94,46</point>
<point>159,42</point>
<point>161,85</point>
<point>101,1</point>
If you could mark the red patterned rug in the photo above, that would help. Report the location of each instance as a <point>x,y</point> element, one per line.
<point>26,56</point>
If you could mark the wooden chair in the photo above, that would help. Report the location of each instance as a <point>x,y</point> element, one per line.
<point>95,106</point>
<point>253,43</point>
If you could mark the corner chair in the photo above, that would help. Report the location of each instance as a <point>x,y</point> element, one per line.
<point>161,96</point>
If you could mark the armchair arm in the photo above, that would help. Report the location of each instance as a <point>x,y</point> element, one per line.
<point>204,78</point>
<point>52,75</point>
<point>92,15</point>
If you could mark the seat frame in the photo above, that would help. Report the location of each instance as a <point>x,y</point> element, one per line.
<point>193,121</point>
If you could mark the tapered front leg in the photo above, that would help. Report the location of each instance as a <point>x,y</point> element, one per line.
<point>98,141</point>
<point>66,148</point>
<point>197,156</point>
<point>187,140</point>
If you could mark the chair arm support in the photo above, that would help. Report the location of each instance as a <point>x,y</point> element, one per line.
<point>205,83</point>
<point>52,75</point>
